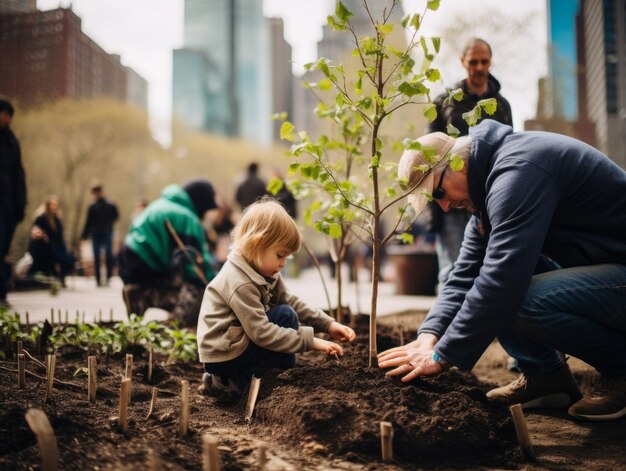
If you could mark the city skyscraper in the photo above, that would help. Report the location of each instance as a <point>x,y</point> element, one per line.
<point>223,74</point>
<point>605,73</point>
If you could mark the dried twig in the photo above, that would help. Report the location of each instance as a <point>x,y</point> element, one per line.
<point>33,358</point>
<point>65,383</point>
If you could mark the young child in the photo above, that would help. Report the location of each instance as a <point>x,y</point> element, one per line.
<point>248,321</point>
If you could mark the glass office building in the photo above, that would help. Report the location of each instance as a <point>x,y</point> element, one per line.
<point>221,81</point>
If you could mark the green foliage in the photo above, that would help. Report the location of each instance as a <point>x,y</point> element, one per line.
<point>180,344</point>
<point>488,106</point>
<point>135,332</point>
<point>10,331</point>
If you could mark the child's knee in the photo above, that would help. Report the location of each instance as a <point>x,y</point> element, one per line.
<point>284,316</point>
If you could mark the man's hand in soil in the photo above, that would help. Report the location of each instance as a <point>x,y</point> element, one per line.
<point>329,348</point>
<point>341,332</point>
<point>411,360</point>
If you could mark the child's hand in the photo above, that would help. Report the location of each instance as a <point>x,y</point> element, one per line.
<point>329,348</point>
<point>341,332</point>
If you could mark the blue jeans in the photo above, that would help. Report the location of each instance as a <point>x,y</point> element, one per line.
<point>256,360</point>
<point>580,311</point>
<point>448,241</point>
<point>100,242</point>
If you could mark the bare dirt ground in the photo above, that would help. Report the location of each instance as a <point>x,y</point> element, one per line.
<point>321,415</point>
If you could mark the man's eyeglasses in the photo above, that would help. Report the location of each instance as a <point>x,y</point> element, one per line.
<point>439,193</point>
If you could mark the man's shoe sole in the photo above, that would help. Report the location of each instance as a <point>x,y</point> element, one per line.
<point>551,401</point>
<point>598,418</point>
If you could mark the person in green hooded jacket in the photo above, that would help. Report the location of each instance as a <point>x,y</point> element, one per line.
<point>164,261</point>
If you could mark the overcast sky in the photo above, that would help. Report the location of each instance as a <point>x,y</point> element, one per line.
<point>144,33</point>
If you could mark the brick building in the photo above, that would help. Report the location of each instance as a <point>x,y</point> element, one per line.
<point>46,56</point>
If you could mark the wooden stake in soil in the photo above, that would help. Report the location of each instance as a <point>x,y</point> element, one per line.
<point>184,407</point>
<point>50,364</point>
<point>60,321</point>
<point>124,396</point>
<point>27,320</point>
<point>52,316</point>
<point>67,316</point>
<point>129,366</point>
<point>262,457</point>
<point>111,316</point>
<point>522,432</point>
<point>210,453</point>
<point>386,440</point>
<point>40,425</point>
<point>21,371</point>
<point>92,374</point>
<point>155,391</point>
<point>253,392</point>
<point>20,347</point>
<point>150,352</point>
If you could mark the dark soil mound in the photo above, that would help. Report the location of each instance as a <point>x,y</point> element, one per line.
<point>336,407</point>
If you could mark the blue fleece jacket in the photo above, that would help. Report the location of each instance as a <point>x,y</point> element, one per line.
<point>536,193</point>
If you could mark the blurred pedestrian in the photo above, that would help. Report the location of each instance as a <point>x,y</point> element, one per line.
<point>164,260</point>
<point>12,191</point>
<point>251,189</point>
<point>101,216</point>
<point>478,85</point>
<point>51,256</point>
<point>285,197</point>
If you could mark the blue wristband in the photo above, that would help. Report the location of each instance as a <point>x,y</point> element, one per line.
<point>443,363</point>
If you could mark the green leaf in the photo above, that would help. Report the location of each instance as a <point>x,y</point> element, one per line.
<point>407,65</point>
<point>385,29</point>
<point>452,131</point>
<point>369,46</point>
<point>325,84</point>
<point>436,40</point>
<point>293,167</point>
<point>489,105</point>
<point>336,26</point>
<point>454,95</point>
<point>472,117</point>
<point>433,75</point>
<point>433,5</point>
<point>405,20</point>
<point>287,131</point>
<point>342,12</point>
<point>275,185</point>
<point>430,112</point>
<point>340,100</point>
<point>334,230</point>
<point>413,88</point>
<point>416,21</point>
<point>456,162</point>
<point>308,219</point>
<point>406,238</point>
<point>458,94</point>
<point>358,87</point>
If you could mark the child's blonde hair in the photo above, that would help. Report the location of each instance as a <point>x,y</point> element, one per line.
<point>265,225</point>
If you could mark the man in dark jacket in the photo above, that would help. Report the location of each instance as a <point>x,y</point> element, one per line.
<point>12,191</point>
<point>251,189</point>
<point>542,266</point>
<point>156,270</point>
<point>479,85</point>
<point>101,216</point>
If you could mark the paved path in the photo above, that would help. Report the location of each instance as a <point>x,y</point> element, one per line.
<point>82,295</point>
